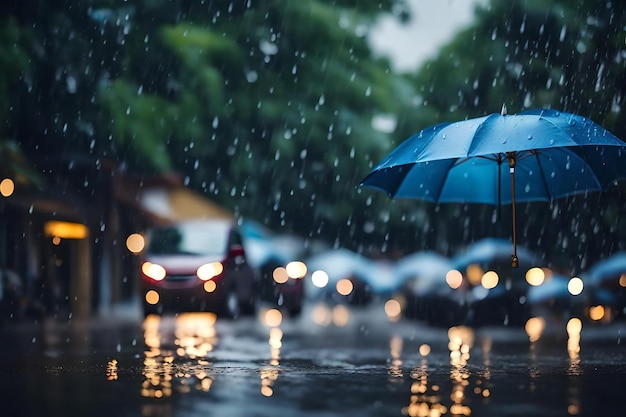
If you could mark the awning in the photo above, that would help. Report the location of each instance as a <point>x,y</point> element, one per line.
<point>179,203</point>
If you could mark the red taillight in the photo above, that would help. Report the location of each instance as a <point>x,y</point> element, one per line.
<point>154,271</point>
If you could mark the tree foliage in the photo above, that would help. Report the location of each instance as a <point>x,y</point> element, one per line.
<point>267,106</point>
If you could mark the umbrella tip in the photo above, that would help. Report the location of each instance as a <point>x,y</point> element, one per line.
<point>503,111</point>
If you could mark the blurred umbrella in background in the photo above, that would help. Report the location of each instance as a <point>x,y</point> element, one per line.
<point>492,253</point>
<point>546,153</point>
<point>611,270</point>
<point>427,269</point>
<point>606,281</point>
<point>332,266</point>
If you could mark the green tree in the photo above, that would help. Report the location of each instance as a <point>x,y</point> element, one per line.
<point>264,106</point>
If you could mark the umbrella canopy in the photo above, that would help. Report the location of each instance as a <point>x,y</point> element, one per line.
<point>548,154</point>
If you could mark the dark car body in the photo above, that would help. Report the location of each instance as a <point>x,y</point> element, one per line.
<point>279,289</point>
<point>197,266</point>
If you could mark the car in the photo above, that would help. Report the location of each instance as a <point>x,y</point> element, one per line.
<point>197,265</point>
<point>282,285</point>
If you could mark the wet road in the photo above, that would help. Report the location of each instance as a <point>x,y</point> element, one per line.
<point>325,363</point>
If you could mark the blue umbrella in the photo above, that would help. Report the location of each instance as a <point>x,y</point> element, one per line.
<point>548,154</point>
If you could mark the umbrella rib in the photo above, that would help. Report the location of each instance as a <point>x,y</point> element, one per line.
<point>535,152</point>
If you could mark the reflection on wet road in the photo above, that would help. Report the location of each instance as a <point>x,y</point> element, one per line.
<point>326,363</point>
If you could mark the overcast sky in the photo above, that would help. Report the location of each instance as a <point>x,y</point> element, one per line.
<point>434,23</point>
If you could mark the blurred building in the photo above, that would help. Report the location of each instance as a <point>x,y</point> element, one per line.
<point>63,242</point>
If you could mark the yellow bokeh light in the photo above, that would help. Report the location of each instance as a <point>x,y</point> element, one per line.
<point>321,315</point>
<point>210,271</point>
<point>296,269</point>
<point>622,280</point>
<point>596,312</point>
<point>393,309</point>
<point>210,286</point>
<point>574,326</point>
<point>454,279</point>
<point>490,279</point>
<point>135,243</point>
<point>344,286</point>
<point>341,315</point>
<point>66,230</point>
<point>272,317</point>
<point>575,286</point>
<point>280,275</point>
<point>534,328</point>
<point>154,271</point>
<point>319,278</point>
<point>424,350</point>
<point>152,297</point>
<point>267,391</point>
<point>535,276</point>
<point>7,187</point>
<point>474,274</point>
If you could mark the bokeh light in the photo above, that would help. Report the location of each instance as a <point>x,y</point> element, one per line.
<point>319,278</point>
<point>272,317</point>
<point>535,276</point>
<point>596,313</point>
<point>474,274</point>
<point>393,309</point>
<point>454,279</point>
<point>7,187</point>
<point>210,270</point>
<point>280,275</point>
<point>534,328</point>
<point>152,297</point>
<point>575,286</point>
<point>424,349</point>
<point>345,286</point>
<point>341,315</point>
<point>490,279</point>
<point>210,286</point>
<point>574,326</point>
<point>296,269</point>
<point>135,243</point>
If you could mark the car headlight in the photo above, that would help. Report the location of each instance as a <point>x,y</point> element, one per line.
<point>210,271</point>
<point>154,271</point>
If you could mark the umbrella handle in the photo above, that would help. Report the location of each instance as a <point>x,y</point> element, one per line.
<point>514,259</point>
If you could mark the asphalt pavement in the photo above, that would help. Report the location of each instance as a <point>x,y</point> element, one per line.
<point>331,361</point>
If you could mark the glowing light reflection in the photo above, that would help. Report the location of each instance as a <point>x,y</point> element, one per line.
<point>195,337</point>
<point>534,328</point>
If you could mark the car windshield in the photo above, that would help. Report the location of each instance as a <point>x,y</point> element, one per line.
<point>189,239</point>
